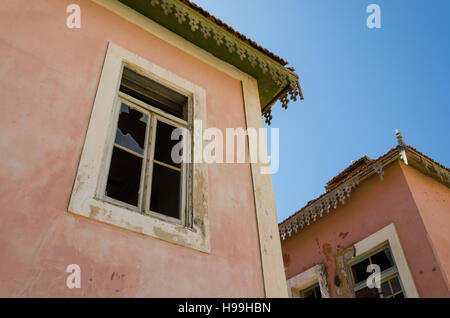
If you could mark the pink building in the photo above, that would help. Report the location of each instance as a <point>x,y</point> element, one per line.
<point>93,205</point>
<point>387,218</point>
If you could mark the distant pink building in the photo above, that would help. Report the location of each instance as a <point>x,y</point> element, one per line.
<point>86,175</point>
<point>393,212</point>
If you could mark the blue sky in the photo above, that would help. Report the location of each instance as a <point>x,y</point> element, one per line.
<point>359,84</point>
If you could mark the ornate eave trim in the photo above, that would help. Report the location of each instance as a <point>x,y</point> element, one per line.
<point>288,93</point>
<point>317,209</point>
<point>283,77</point>
<point>311,212</point>
<point>427,166</point>
<point>324,204</point>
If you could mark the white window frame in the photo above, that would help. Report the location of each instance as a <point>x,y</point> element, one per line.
<point>389,235</point>
<point>154,115</point>
<point>386,275</point>
<point>88,200</point>
<point>314,275</point>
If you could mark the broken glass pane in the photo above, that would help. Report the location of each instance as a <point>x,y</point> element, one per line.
<point>383,259</point>
<point>360,271</point>
<point>124,177</point>
<point>131,129</point>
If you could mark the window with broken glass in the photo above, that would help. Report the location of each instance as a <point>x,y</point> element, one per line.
<point>391,286</point>
<point>144,171</point>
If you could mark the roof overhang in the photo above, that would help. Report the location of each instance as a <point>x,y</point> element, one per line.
<point>275,81</point>
<point>330,200</point>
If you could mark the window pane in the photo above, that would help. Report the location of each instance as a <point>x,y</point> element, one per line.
<point>367,293</point>
<point>164,144</point>
<point>395,282</point>
<point>131,129</point>
<point>124,177</point>
<point>383,259</point>
<point>386,289</point>
<point>309,294</point>
<point>399,296</point>
<point>165,196</point>
<point>317,292</point>
<point>153,93</point>
<point>360,271</point>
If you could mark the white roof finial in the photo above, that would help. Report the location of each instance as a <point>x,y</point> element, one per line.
<point>400,140</point>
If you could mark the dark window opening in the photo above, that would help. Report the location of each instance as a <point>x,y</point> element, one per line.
<point>132,156</point>
<point>383,259</point>
<point>131,129</point>
<point>367,293</point>
<point>153,93</point>
<point>390,281</point>
<point>360,271</point>
<point>311,292</point>
<point>126,161</point>
<point>395,283</point>
<point>124,177</point>
<point>165,197</point>
<point>166,179</point>
<point>391,288</point>
<point>164,144</point>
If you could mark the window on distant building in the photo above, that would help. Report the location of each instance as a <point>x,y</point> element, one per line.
<point>312,291</point>
<point>311,283</point>
<point>391,286</point>
<point>142,174</point>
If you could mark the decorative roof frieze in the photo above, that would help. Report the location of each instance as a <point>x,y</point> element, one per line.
<point>283,77</point>
<point>317,209</point>
<point>378,167</point>
<point>443,174</point>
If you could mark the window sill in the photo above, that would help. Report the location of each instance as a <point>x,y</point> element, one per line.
<point>125,218</point>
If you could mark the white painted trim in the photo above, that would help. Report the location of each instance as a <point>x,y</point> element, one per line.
<point>85,200</point>
<point>269,236</point>
<point>315,274</point>
<point>389,233</point>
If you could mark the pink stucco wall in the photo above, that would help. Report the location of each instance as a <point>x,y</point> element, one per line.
<point>433,201</point>
<point>48,82</point>
<point>373,205</point>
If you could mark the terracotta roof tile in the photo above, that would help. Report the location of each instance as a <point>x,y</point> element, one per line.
<point>351,170</point>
